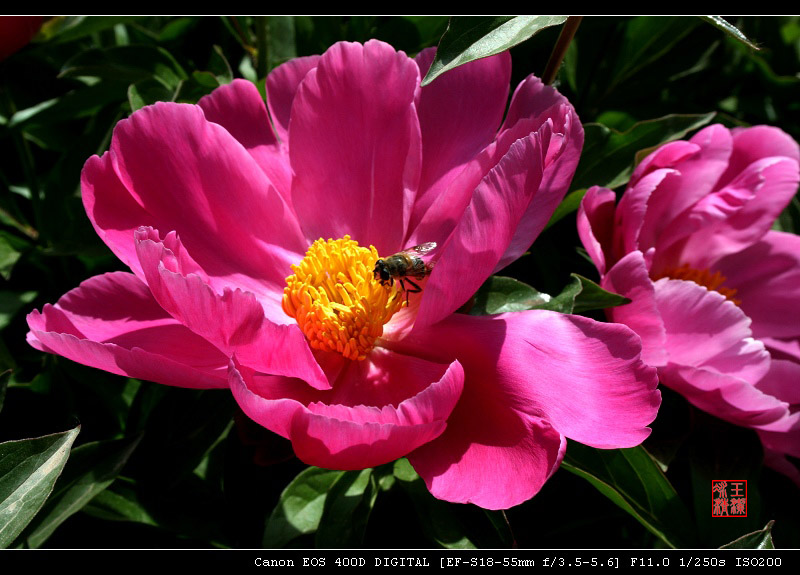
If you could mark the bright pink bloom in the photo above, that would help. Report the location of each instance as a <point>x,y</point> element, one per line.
<point>714,289</point>
<point>209,207</point>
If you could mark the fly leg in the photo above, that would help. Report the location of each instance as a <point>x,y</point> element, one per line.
<point>408,291</point>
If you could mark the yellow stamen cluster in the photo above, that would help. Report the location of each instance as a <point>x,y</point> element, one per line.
<point>336,300</point>
<point>704,278</point>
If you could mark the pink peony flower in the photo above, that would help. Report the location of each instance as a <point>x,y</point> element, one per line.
<point>714,288</point>
<point>212,206</point>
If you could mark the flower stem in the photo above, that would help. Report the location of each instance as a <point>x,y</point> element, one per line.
<point>510,531</point>
<point>560,49</point>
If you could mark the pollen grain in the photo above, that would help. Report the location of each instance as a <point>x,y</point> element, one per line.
<point>703,277</point>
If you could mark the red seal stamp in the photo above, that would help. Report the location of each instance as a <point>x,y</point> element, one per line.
<point>728,498</point>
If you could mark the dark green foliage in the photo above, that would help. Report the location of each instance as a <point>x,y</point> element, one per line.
<point>163,467</point>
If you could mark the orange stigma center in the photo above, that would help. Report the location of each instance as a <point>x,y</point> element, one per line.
<point>704,278</point>
<point>336,300</point>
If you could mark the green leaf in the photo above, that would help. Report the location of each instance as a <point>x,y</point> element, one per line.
<point>82,102</point>
<point>181,429</point>
<point>11,302</point>
<point>592,296</point>
<point>280,40</point>
<point>127,64</point>
<point>632,479</point>
<point>469,38</point>
<point>300,507</point>
<point>92,467</point>
<point>502,294</point>
<point>347,510</point>
<point>220,66</point>
<point>565,301</point>
<point>68,28</point>
<point>119,502</point>
<point>761,539</point>
<point>438,522</point>
<point>731,30</point>
<point>205,79</point>
<point>8,257</point>
<point>149,92</point>
<point>28,470</point>
<point>646,40</point>
<point>429,28</point>
<point>608,156</point>
<point>452,526</point>
<point>176,30</point>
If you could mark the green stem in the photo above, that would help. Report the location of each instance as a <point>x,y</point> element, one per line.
<point>262,49</point>
<point>510,530</point>
<point>560,49</point>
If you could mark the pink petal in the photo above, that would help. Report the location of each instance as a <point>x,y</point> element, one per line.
<point>361,177</point>
<point>652,211</point>
<point>269,400</point>
<point>197,180</point>
<point>783,348</point>
<point>759,195</point>
<point>339,437</point>
<point>485,229</point>
<point>766,277</point>
<point>226,320</point>
<point>777,461</point>
<point>667,156</point>
<point>699,175</point>
<point>113,211</point>
<point>700,225</point>
<point>456,120</point>
<point>596,226</point>
<point>282,84</point>
<point>559,162</point>
<point>722,395</point>
<point>629,277</point>
<point>571,371</point>
<point>713,360</point>
<point>706,330</point>
<point>551,118</point>
<point>756,142</point>
<point>500,464</point>
<point>632,234</point>
<point>784,433</point>
<point>782,381</point>
<point>160,258</point>
<point>384,378</point>
<point>352,437</point>
<point>111,322</point>
<point>234,321</point>
<point>533,99</point>
<point>240,109</point>
<point>531,378</point>
<point>447,208</point>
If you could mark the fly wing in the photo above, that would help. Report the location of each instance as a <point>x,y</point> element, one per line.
<point>423,249</point>
<point>423,265</point>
